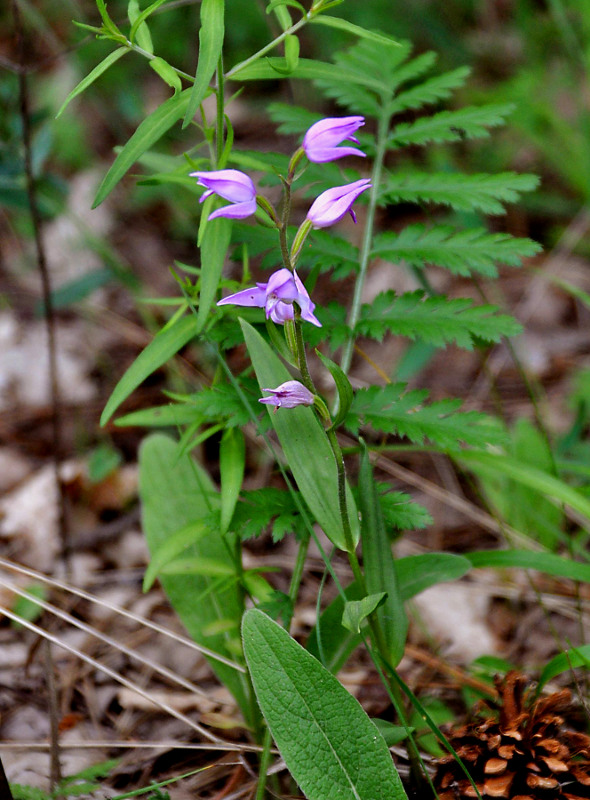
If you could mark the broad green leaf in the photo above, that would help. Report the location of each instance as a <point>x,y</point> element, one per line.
<point>232,459</point>
<point>200,566</point>
<point>355,30</point>
<point>176,493</point>
<point>379,566</point>
<point>357,611</point>
<point>92,76</point>
<point>174,544</point>
<point>329,744</point>
<point>210,45</point>
<point>214,245</point>
<point>305,444</point>
<point>345,393</point>
<point>148,133</point>
<point>163,346</point>
<point>542,482</point>
<point>558,566</point>
<point>417,573</point>
<point>166,72</point>
<point>570,659</point>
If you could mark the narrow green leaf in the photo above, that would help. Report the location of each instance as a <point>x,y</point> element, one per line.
<point>211,37</point>
<point>328,640</point>
<point>141,31</point>
<point>329,744</point>
<point>355,30</point>
<point>357,611</point>
<point>137,21</point>
<point>107,21</point>
<point>163,346</point>
<point>492,464</point>
<point>148,133</point>
<point>417,573</point>
<point>167,551</point>
<point>292,3</point>
<point>570,659</point>
<point>307,69</point>
<point>232,460</point>
<point>92,76</point>
<point>393,734</point>
<point>345,393</point>
<point>166,72</point>
<point>214,246</point>
<point>380,572</point>
<point>558,566</point>
<point>305,445</point>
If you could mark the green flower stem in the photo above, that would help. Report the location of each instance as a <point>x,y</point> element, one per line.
<point>382,133</point>
<point>300,354</point>
<point>267,48</point>
<point>220,120</point>
<point>343,506</point>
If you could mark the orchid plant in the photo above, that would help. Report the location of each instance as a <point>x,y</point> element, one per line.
<point>194,527</point>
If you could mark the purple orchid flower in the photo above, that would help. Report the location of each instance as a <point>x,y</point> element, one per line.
<point>232,185</point>
<point>333,204</point>
<point>288,395</point>
<point>277,297</point>
<point>322,139</point>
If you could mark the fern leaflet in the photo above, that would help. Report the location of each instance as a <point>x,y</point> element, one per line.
<point>462,192</point>
<point>390,410</point>
<point>437,320</point>
<point>430,91</point>
<point>471,122</point>
<point>461,252</point>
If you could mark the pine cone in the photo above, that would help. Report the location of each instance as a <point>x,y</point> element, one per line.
<point>522,752</point>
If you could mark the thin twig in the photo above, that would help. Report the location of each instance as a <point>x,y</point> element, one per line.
<point>54,751</point>
<point>45,281</point>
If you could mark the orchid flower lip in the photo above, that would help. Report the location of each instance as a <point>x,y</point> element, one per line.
<point>277,297</point>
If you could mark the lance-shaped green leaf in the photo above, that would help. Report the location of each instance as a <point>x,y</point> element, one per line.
<point>163,346</point>
<point>345,393</point>
<point>305,445</point>
<point>558,566</point>
<point>355,30</point>
<point>210,45</point>
<point>214,245</point>
<point>232,459</point>
<point>570,659</point>
<point>147,134</point>
<point>380,573</point>
<point>329,744</point>
<point>92,76</point>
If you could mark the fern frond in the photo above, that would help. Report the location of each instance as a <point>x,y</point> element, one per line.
<point>437,320</point>
<point>330,252</point>
<point>391,410</point>
<point>291,119</point>
<point>471,122</point>
<point>462,192</point>
<point>223,402</point>
<point>399,511</point>
<point>462,252</point>
<point>431,91</point>
<point>261,508</point>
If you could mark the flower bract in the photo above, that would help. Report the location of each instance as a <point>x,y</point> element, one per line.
<point>232,185</point>
<point>288,395</point>
<point>277,297</point>
<point>322,139</point>
<point>333,204</point>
